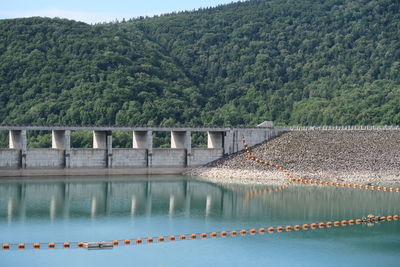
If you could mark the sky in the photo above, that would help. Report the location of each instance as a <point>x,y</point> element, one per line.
<point>91,11</point>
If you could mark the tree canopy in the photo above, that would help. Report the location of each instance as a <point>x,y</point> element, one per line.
<point>309,62</point>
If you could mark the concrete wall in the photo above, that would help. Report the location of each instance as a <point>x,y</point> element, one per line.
<point>44,158</point>
<point>221,141</point>
<point>88,158</point>
<point>9,158</point>
<point>234,139</point>
<point>129,157</point>
<point>202,156</point>
<point>168,157</point>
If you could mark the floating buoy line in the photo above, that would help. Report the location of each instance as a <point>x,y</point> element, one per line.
<point>369,219</point>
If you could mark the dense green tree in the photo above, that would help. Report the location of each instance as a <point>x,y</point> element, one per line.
<point>304,62</point>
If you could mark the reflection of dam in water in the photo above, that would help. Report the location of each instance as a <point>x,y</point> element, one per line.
<point>93,198</point>
<point>63,199</point>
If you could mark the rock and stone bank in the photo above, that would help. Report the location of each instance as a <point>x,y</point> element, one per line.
<point>363,157</point>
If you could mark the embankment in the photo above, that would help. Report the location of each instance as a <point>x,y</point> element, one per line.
<point>366,156</point>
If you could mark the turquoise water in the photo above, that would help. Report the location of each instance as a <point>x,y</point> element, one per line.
<point>108,208</point>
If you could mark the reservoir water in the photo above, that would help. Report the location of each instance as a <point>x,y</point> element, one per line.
<point>128,207</point>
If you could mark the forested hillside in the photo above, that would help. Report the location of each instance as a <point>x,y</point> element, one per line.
<point>309,62</point>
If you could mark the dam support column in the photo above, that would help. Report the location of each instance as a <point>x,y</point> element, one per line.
<point>61,139</point>
<point>229,142</point>
<point>183,139</point>
<point>103,140</point>
<point>215,140</point>
<point>18,140</point>
<point>144,140</point>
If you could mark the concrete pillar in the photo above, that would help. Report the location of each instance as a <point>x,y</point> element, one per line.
<point>188,145</point>
<point>109,149</point>
<point>139,139</point>
<point>67,146</point>
<point>18,140</point>
<point>61,139</point>
<point>58,139</point>
<point>144,140</point>
<point>178,139</point>
<point>183,139</point>
<point>229,142</point>
<point>103,140</point>
<point>215,140</point>
<point>100,139</point>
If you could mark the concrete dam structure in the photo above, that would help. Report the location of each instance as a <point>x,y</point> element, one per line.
<point>221,141</point>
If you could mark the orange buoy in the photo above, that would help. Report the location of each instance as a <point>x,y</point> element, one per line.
<point>223,234</point>
<point>397,190</point>
<point>203,235</point>
<point>391,189</point>
<point>80,244</point>
<point>395,217</point>
<point>36,245</point>
<point>279,229</point>
<point>355,186</point>
<point>213,234</point>
<point>6,246</point>
<point>252,231</point>
<point>336,223</point>
<point>378,188</point>
<point>351,222</point>
<point>139,241</point>
<point>321,225</point>
<point>243,232</point>
<point>21,246</point>
<point>261,230</point>
<point>385,188</point>
<point>182,237</point>
<point>328,224</point>
<point>305,226</point>
<point>171,238</point>
<point>361,186</point>
<point>358,221</point>
<point>150,240</point>
<point>51,245</point>
<point>313,225</point>
<point>389,218</point>
<point>372,187</point>
<point>288,228</point>
<point>343,223</point>
<point>233,233</point>
<point>115,242</point>
<point>349,185</point>
<point>66,245</point>
<point>161,239</point>
<point>296,227</point>
<point>382,218</point>
<point>127,242</point>
<point>193,236</point>
<point>271,230</point>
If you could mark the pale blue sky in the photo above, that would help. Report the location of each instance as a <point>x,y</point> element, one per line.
<point>91,11</point>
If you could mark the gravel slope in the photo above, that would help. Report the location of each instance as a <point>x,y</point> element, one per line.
<point>371,156</point>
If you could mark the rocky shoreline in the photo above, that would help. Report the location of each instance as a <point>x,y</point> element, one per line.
<point>361,157</point>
